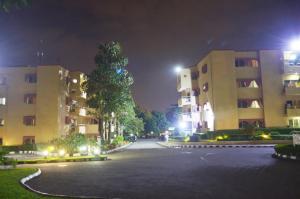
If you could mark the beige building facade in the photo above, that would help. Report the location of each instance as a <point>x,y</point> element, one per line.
<point>36,102</point>
<point>231,89</point>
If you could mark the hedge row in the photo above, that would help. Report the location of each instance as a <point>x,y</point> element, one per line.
<point>288,149</point>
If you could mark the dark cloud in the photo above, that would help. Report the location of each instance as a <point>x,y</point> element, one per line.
<point>155,34</point>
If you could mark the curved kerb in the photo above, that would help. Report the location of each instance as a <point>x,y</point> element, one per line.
<point>38,173</point>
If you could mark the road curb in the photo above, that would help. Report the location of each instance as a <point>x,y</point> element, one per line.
<point>285,157</point>
<point>119,148</point>
<point>38,173</point>
<point>163,145</point>
<point>221,146</point>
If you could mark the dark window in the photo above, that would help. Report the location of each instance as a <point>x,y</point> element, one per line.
<point>204,68</point>
<point>243,124</point>
<point>30,98</point>
<point>205,87</point>
<point>31,78</point>
<point>196,92</point>
<point>29,120</point>
<point>68,120</point>
<point>243,104</point>
<point>243,62</point>
<point>195,75</point>
<point>1,141</point>
<point>28,140</point>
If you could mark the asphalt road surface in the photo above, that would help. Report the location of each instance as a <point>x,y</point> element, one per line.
<point>154,172</point>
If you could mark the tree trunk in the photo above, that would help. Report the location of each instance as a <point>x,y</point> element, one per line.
<point>117,126</point>
<point>109,130</point>
<point>100,127</point>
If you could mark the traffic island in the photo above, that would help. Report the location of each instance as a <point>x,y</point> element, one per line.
<point>287,152</point>
<point>63,159</point>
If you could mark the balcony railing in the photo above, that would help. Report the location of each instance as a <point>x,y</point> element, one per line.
<point>291,67</point>
<point>293,111</point>
<point>186,100</point>
<point>292,90</point>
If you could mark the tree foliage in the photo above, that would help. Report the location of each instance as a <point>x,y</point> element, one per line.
<point>108,87</point>
<point>8,5</point>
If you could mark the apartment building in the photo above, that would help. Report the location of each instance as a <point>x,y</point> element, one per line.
<point>35,104</point>
<point>230,89</point>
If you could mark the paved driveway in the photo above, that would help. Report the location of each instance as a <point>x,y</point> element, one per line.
<point>162,173</point>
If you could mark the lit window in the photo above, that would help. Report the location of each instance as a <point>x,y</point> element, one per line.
<point>82,112</point>
<point>205,87</point>
<point>81,129</point>
<point>31,78</point>
<point>29,120</point>
<point>2,100</point>
<point>74,81</point>
<point>1,122</point>
<point>83,95</point>
<point>246,62</point>
<point>30,98</point>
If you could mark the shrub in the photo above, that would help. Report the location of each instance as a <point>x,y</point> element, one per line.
<point>288,149</point>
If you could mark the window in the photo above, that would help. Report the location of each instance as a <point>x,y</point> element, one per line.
<point>196,92</point>
<point>2,80</point>
<point>195,75</point>
<point>249,103</point>
<point>247,83</point>
<point>251,122</point>
<point>31,78</point>
<point>1,122</point>
<point>28,140</point>
<point>204,68</point>
<point>246,62</point>
<point>68,120</point>
<point>29,120</point>
<point>2,100</point>
<point>30,98</point>
<point>1,141</point>
<point>205,87</point>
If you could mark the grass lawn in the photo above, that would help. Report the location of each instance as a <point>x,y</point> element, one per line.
<point>10,187</point>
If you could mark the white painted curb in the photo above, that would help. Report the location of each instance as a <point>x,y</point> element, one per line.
<point>221,146</point>
<point>118,149</point>
<point>26,179</point>
<point>286,156</point>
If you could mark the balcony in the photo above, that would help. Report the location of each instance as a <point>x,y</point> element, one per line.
<point>291,63</point>
<point>186,100</point>
<point>184,80</point>
<point>249,93</point>
<point>293,112</point>
<point>291,90</point>
<point>91,129</point>
<point>247,72</point>
<point>186,117</point>
<point>250,113</point>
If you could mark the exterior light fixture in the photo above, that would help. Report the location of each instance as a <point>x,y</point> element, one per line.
<point>96,151</point>
<point>61,152</point>
<point>83,148</point>
<point>45,153</point>
<point>178,69</point>
<point>295,45</point>
<point>182,124</point>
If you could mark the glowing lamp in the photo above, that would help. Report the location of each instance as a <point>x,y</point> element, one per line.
<point>295,45</point>
<point>178,69</point>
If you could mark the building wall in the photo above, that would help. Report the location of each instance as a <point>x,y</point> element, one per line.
<point>273,96</point>
<point>51,111</point>
<point>225,91</point>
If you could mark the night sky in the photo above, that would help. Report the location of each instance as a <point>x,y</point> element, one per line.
<point>155,34</point>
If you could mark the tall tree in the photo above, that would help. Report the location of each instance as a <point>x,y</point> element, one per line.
<point>173,114</point>
<point>108,86</point>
